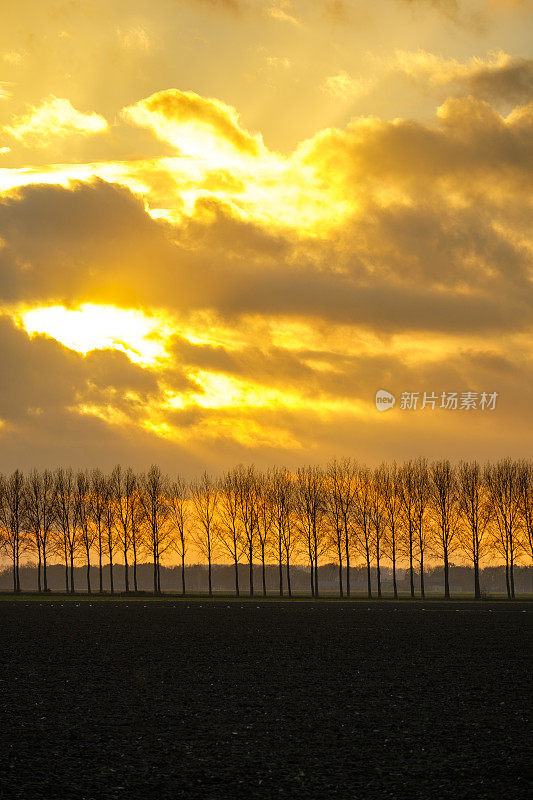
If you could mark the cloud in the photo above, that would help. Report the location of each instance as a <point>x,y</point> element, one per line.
<point>41,423</point>
<point>498,78</point>
<point>51,379</point>
<point>280,338</point>
<point>224,5</point>
<point>12,57</point>
<point>276,61</point>
<point>190,122</point>
<point>344,86</point>
<point>134,38</point>
<point>282,11</point>
<point>52,118</point>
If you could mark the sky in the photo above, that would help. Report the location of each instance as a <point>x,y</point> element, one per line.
<point>226,224</point>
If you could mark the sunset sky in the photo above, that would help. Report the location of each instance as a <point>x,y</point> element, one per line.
<point>225,224</point>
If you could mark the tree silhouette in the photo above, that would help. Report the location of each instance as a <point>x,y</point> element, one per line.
<point>12,520</point>
<point>474,514</point>
<point>39,504</point>
<point>153,498</point>
<point>205,499</point>
<point>503,488</point>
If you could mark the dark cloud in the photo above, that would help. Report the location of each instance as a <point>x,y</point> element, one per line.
<point>425,266</point>
<point>47,378</point>
<point>511,83</point>
<point>44,382</point>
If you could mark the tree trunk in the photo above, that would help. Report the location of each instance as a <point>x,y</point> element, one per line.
<point>45,577</point>
<point>18,566</point>
<point>477,587</point>
<point>39,587</point>
<point>251,559</point>
<point>263,569</point>
<point>88,572</point>
<point>446,576</point>
<point>511,565</point>
<point>236,563</point>
<point>182,572</point>
<point>100,568</point>
<point>411,572</point>
<point>312,576</point>
<point>394,584</point>
<point>135,567</point>
<point>126,570</point>
<point>507,584</point>
<point>289,588</point>
<point>341,594</point>
<point>347,549</point>
<point>422,589</point>
<point>66,570</point>
<point>315,554</point>
<point>368,575</point>
<point>72,587</point>
<point>280,563</point>
<point>209,574</point>
<point>378,571</point>
<point>111,582</point>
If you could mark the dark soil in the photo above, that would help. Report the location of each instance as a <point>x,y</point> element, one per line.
<point>228,700</point>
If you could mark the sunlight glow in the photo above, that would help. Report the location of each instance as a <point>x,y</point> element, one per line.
<point>97,327</point>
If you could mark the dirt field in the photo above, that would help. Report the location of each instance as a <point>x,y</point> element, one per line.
<point>217,700</point>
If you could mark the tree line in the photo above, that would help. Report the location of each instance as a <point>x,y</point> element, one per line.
<point>395,514</point>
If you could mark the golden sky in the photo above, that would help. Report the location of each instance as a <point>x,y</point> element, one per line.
<point>224,225</point>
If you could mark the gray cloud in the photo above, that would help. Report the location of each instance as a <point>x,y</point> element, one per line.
<point>511,84</point>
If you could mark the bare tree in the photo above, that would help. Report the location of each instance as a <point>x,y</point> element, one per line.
<point>378,518</point>
<point>280,486</point>
<point>125,493</point>
<point>88,533</point>
<point>502,484</point>
<point>137,529</point>
<point>407,488</point>
<point>98,497</point>
<point>333,507</point>
<point>178,500</point>
<point>110,521</point>
<point>40,515</point>
<point>422,495</point>
<point>344,479</point>
<point>474,514</point>
<point>525,505</point>
<point>246,488</point>
<point>154,500</point>
<point>12,520</point>
<point>228,526</point>
<point>265,522</point>
<point>445,510</point>
<point>205,500</point>
<point>392,503</point>
<point>363,518</point>
<point>288,529</point>
<point>310,508</point>
<point>67,518</point>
